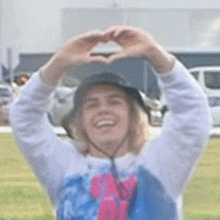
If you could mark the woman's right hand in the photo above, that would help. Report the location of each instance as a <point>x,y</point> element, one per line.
<point>72,54</point>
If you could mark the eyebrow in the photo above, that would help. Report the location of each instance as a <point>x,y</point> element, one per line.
<point>111,96</point>
<point>115,96</point>
<point>90,100</point>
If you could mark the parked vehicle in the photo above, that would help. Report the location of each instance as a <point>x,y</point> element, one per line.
<point>6,93</point>
<point>156,117</point>
<point>155,113</point>
<point>214,103</point>
<point>61,103</point>
<point>208,77</point>
<point>6,98</point>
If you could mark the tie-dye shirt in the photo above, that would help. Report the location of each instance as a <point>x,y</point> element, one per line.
<point>148,186</point>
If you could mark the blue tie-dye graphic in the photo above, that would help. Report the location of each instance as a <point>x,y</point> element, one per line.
<point>76,202</point>
<point>149,201</point>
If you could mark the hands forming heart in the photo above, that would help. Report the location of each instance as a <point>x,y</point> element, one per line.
<point>135,42</point>
<point>77,51</point>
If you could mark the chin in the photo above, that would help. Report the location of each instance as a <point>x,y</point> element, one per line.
<point>109,138</point>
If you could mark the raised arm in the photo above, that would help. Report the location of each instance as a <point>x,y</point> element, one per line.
<point>72,54</point>
<point>136,42</point>
<point>45,152</point>
<point>186,129</point>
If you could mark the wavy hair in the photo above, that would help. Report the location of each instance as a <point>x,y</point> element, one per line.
<point>138,128</point>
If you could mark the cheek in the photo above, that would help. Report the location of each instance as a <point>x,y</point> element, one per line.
<point>125,117</point>
<point>87,120</point>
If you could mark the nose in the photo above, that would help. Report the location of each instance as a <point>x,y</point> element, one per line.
<point>103,108</point>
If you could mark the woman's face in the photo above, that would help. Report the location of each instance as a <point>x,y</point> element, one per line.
<point>105,114</point>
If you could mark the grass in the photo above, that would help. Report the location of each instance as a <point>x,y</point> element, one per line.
<point>22,198</point>
<point>202,198</point>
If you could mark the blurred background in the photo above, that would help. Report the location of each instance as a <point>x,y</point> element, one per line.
<point>30,32</point>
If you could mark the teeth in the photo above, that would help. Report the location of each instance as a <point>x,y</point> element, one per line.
<point>104,122</point>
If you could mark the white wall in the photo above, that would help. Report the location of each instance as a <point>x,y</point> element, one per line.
<point>35,26</point>
<point>31,26</point>
<point>168,26</point>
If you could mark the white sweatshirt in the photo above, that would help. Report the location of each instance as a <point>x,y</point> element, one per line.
<point>83,188</point>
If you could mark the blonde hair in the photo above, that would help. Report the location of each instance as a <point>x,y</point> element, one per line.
<point>138,129</point>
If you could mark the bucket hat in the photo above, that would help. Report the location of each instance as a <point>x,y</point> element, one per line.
<point>105,78</point>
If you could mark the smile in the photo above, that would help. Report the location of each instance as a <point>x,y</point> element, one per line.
<point>105,123</point>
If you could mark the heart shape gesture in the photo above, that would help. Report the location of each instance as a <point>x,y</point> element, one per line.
<point>135,42</point>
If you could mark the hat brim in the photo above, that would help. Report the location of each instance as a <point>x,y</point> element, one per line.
<point>131,92</point>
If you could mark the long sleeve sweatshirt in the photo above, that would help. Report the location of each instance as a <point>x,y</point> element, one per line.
<point>151,183</point>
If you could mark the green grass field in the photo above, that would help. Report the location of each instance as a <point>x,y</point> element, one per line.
<point>21,197</point>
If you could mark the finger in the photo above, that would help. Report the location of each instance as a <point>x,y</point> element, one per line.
<point>120,28</point>
<point>109,33</point>
<point>92,37</point>
<point>118,35</point>
<point>116,56</point>
<point>98,58</point>
<point>116,27</point>
<point>114,32</point>
<point>119,32</point>
<point>89,38</point>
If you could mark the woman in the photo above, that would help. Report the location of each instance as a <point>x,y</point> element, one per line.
<point>113,169</point>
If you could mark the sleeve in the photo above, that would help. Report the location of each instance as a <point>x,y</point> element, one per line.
<point>47,154</point>
<point>185,129</point>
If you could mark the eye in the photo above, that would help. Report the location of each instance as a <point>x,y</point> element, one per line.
<point>115,102</point>
<point>91,105</point>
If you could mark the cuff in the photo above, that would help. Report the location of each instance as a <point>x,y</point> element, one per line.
<point>44,81</point>
<point>37,84</point>
<point>167,77</point>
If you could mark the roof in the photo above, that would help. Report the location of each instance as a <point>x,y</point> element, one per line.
<point>31,62</point>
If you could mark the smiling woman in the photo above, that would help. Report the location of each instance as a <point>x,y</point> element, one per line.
<point>107,116</point>
<point>113,169</point>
